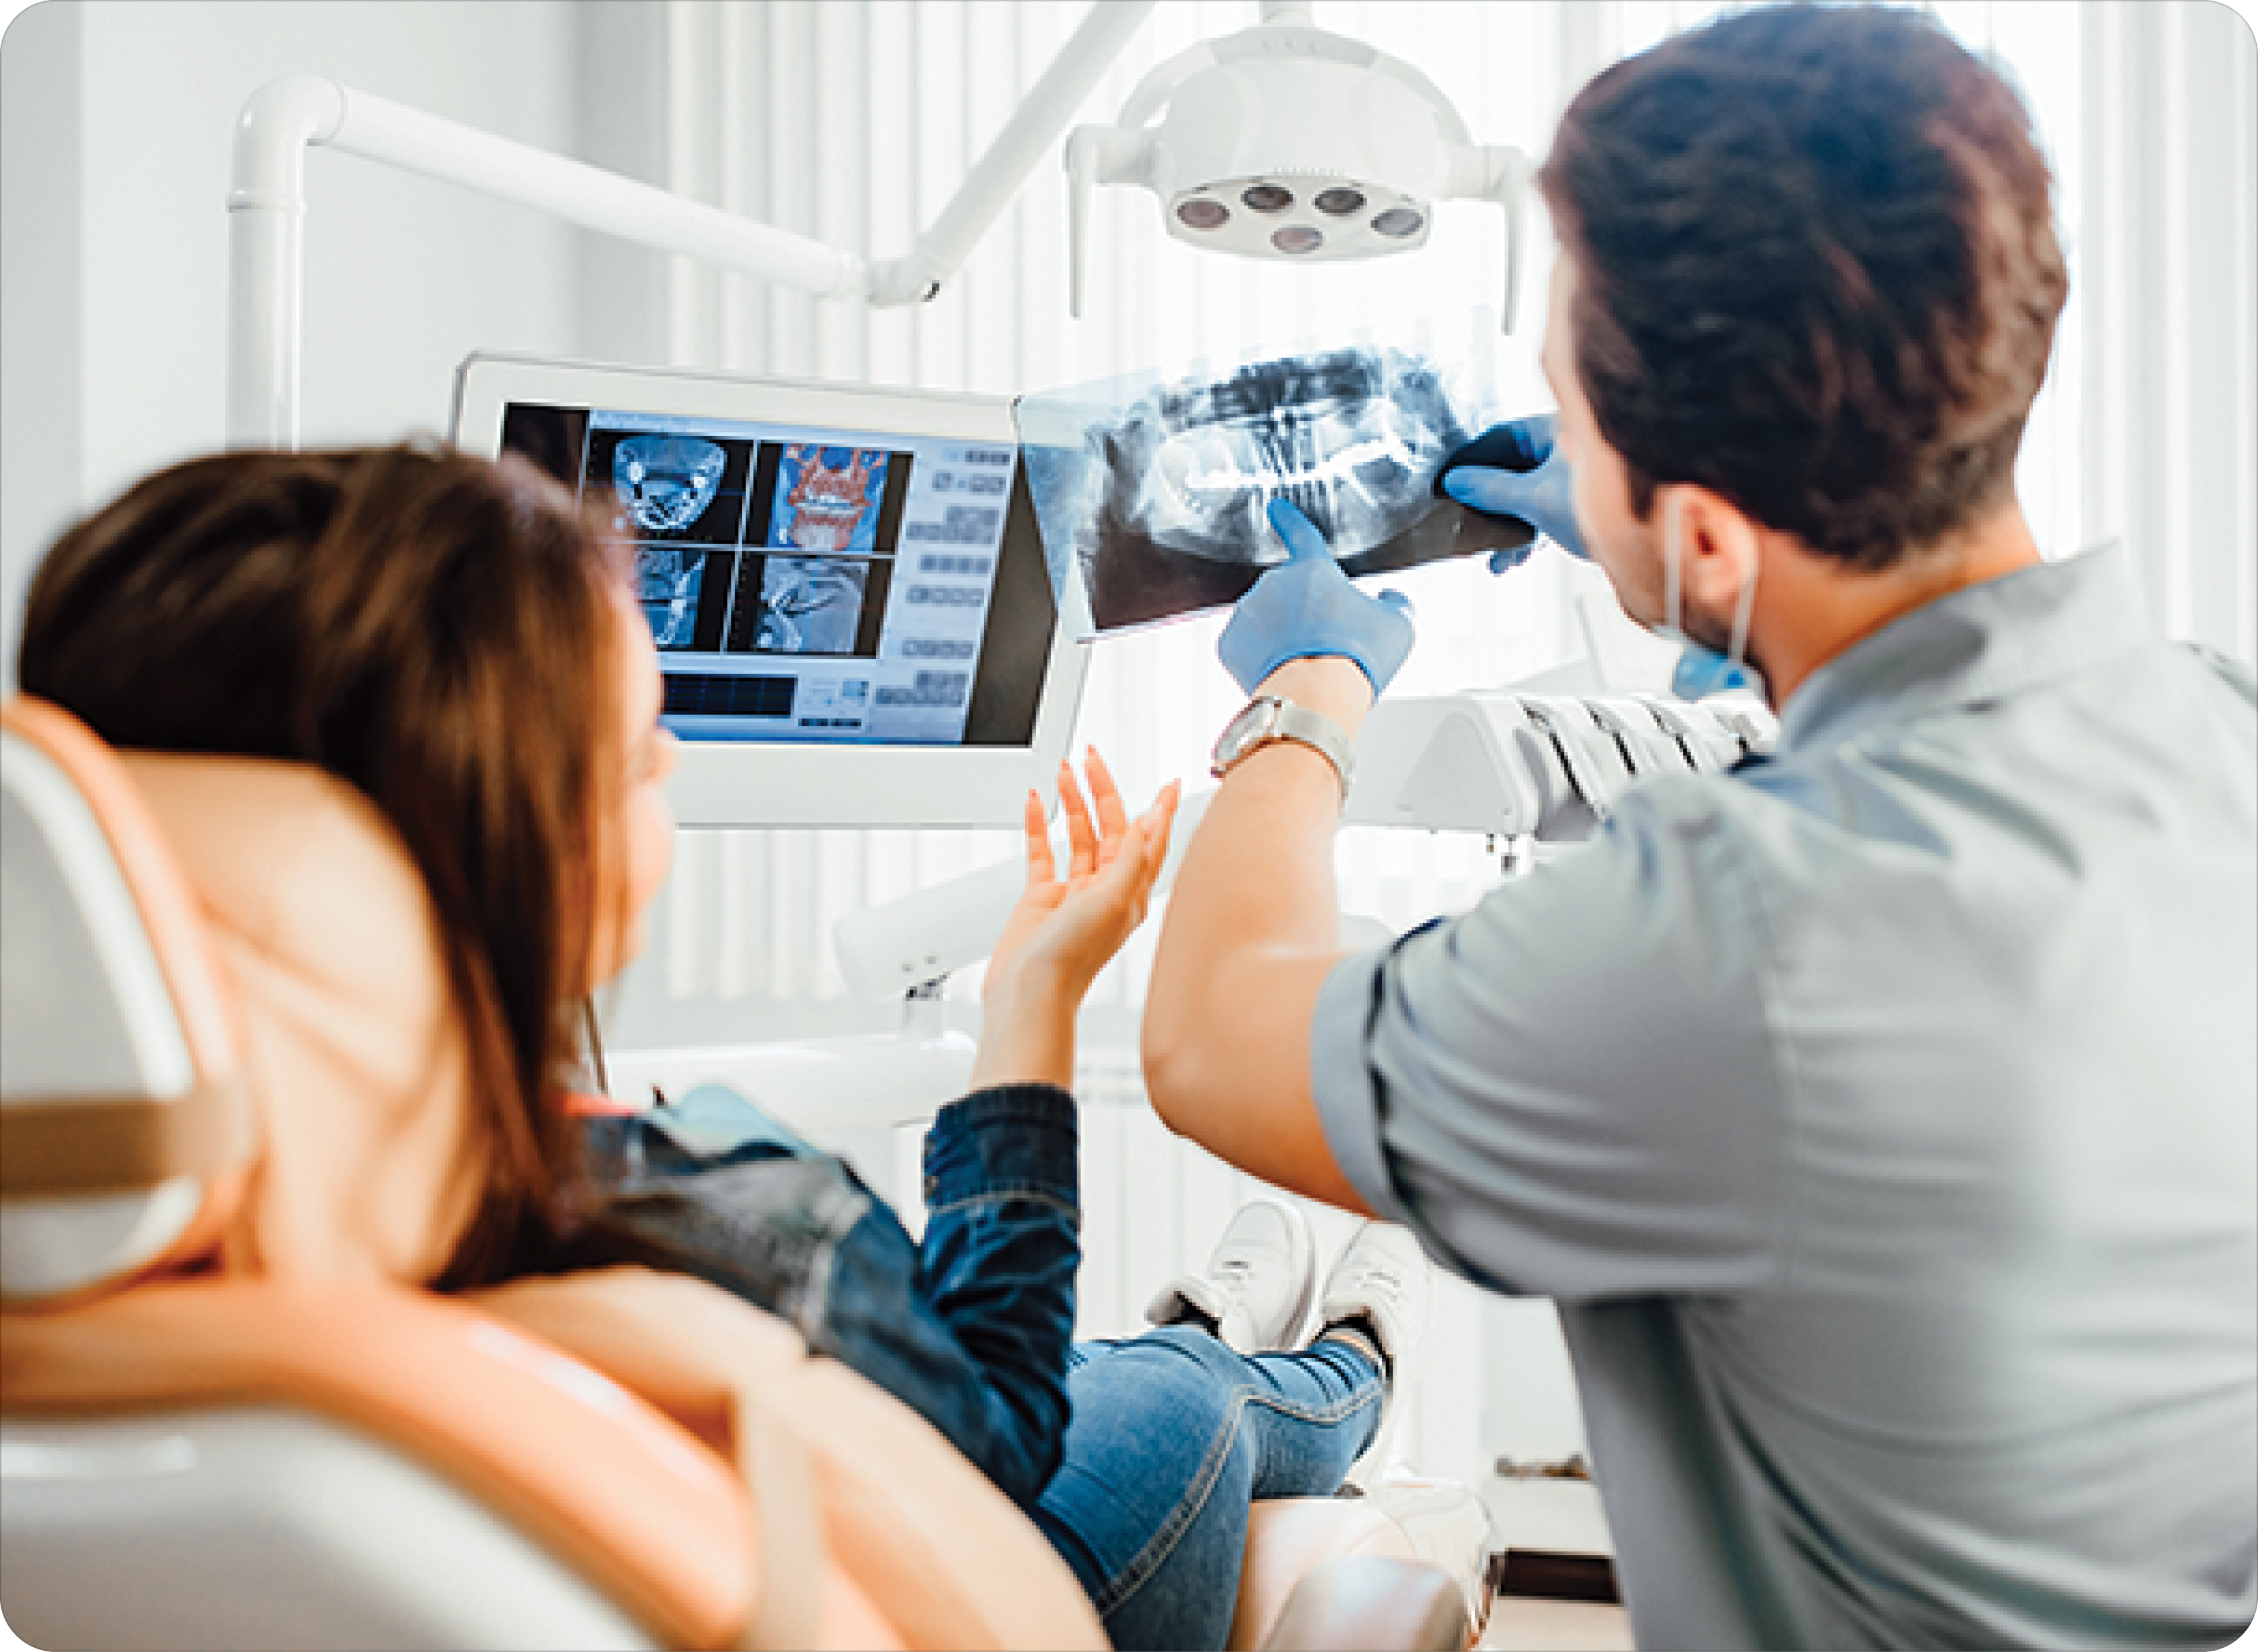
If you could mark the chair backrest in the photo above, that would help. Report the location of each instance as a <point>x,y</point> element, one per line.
<point>229,1464</point>
<point>185,1505</point>
<point>121,1117</point>
<point>196,1456</point>
<point>234,1450</point>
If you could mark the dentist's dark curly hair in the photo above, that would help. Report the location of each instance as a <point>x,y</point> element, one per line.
<point>1816,272</point>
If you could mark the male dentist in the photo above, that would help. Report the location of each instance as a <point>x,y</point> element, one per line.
<point>1883,1115</point>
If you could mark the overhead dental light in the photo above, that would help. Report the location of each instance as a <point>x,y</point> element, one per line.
<point>1287,142</point>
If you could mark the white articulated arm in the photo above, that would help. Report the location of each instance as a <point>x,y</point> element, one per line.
<point>267,204</point>
<point>594,199</point>
<point>1034,126</point>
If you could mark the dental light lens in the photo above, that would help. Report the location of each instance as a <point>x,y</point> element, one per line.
<point>1268,197</point>
<point>1340,202</point>
<point>1203,215</point>
<point>1297,237</point>
<point>1397,222</point>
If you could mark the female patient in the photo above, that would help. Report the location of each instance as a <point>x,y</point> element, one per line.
<point>452,639</point>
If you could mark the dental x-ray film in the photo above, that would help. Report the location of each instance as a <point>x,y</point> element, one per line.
<point>1155,495</point>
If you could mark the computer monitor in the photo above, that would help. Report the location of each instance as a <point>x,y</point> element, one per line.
<point>855,617</point>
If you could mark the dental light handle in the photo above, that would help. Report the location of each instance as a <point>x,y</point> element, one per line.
<point>1510,188</point>
<point>1096,155</point>
<point>1498,173</point>
<point>1080,177</point>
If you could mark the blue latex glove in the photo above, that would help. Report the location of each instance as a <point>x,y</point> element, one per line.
<point>1306,607</point>
<point>1532,482</point>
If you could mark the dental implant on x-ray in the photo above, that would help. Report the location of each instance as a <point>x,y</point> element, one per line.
<point>1287,142</point>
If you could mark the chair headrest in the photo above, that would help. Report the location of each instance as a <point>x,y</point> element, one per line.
<point>351,1048</point>
<point>122,1115</point>
<point>229,1027</point>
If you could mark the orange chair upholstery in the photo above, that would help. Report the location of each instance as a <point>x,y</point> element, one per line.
<point>231,1418</point>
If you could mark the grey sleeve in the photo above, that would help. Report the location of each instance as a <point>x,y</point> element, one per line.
<point>1572,1091</point>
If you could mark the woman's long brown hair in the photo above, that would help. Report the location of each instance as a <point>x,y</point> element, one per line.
<point>433,629</point>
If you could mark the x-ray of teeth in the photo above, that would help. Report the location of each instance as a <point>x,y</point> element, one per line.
<point>667,583</point>
<point>1351,438</point>
<point>1162,498</point>
<point>667,482</point>
<point>810,605</point>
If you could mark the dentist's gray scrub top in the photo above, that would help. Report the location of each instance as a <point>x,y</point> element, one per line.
<point>1881,1117</point>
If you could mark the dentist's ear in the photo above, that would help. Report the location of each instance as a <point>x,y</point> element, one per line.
<point>1717,545</point>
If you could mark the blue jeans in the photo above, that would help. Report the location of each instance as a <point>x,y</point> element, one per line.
<point>1145,1492</point>
<point>1173,1435</point>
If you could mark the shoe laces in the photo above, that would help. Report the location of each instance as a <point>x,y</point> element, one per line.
<point>1380,1278</point>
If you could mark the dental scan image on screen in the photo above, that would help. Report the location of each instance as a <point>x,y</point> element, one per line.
<point>668,483</point>
<point>667,583</point>
<point>828,498</point>
<point>811,605</point>
<point>835,586</point>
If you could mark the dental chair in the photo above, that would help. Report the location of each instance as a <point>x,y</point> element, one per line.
<point>201,1448</point>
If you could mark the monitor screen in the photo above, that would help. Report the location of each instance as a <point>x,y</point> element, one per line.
<point>856,620</point>
<point>806,583</point>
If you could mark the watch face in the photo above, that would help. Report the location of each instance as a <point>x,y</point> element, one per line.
<point>1245,731</point>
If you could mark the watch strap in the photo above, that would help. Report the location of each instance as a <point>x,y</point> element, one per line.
<point>1299,724</point>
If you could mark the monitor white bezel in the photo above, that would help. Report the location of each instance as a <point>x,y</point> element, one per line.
<point>763,783</point>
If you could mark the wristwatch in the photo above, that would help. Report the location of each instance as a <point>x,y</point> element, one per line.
<point>1267,719</point>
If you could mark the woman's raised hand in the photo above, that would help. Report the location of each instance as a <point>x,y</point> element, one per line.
<point>1068,925</point>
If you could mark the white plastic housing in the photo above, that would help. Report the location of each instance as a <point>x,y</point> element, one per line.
<point>1547,766</point>
<point>1309,129</point>
<point>1286,142</point>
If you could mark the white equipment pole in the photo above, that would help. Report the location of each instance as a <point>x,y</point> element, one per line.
<point>267,208</point>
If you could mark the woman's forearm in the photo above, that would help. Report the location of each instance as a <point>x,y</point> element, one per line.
<point>1027,1035</point>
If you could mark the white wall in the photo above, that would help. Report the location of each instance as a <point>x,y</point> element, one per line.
<point>40,305</point>
<point>2170,238</point>
<point>114,179</point>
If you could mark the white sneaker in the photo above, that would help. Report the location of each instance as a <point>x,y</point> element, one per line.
<point>1258,1283</point>
<point>1384,1281</point>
